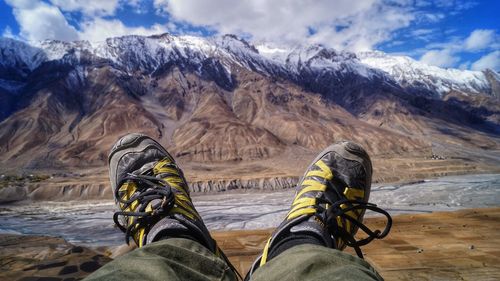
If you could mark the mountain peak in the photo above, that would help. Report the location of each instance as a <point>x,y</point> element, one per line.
<point>149,53</point>
<point>165,35</point>
<point>411,73</point>
<point>234,42</point>
<point>223,99</point>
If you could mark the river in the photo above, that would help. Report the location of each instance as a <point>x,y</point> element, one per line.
<point>90,222</point>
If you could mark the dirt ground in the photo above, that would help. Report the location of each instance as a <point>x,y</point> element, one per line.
<point>461,245</point>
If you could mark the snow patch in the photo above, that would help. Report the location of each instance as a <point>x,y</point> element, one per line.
<point>409,72</point>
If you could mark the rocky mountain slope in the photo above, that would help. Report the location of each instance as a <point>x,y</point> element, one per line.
<point>218,102</point>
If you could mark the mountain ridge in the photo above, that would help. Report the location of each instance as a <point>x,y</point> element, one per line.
<point>147,53</point>
<point>212,100</point>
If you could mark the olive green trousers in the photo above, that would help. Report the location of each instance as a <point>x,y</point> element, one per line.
<point>183,259</point>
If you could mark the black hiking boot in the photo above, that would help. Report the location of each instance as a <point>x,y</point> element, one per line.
<point>153,195</point>
<point>329,205</point>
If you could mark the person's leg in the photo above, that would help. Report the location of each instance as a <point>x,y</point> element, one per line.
<point>157,213</point>
<point>169,259</point>
<point>313,262</point>
<point>326,213</point>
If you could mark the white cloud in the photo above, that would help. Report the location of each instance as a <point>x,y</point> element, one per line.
<point>447,54</point>
<point>425,34</point>
<point>444,3</point>
<point>422,31</point>
<point>87,7</point>
<point>138,6</point>
<point>432,18</point>
<point>491,61</point>
<point>345,24</point>
<point>7,32</point>
<point>480,39</point>
<point>160,6</point>
<point>342,24</point>
<point>442,58</point>
<point>39,21</point>
<point>22,4</point>
<point>464,65</point>
<point>423,3</point>
<point>100,29</point>
<point>455,5</point>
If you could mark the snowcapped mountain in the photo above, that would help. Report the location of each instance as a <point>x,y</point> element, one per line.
<point>411,73</point>
<point>63,104</point>
<point>17,60</point>
<point>223,55</point>
<point>318,58</point>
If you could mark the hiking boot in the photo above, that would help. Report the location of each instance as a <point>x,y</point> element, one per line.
<point>329,205</point>
<point>152,194</point>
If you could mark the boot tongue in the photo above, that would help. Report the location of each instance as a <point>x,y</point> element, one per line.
<point>145,169</point>
<point>313,227</point>
<point>335,192</point>
<point>316,225</point>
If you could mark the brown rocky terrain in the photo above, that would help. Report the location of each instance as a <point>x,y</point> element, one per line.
<point>204,123</point>
<point>254,175</point>
<point>250,126</point>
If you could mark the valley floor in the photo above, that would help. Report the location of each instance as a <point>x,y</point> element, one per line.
<point>267,175</point>
<point>459,245</point>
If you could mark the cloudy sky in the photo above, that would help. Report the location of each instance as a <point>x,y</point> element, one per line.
<point>448,33</point>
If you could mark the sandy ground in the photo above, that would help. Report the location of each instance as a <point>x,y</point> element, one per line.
<point>460,245</point>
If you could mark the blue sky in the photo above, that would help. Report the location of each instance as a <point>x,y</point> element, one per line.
<point>447,33</point>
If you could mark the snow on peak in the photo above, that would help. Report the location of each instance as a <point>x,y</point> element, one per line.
<point>315,57</point>
<point>409,72</point>
<point>273,52</point>
<point>55,49</point>
<point>19,54</point>
<point>149,53</point>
